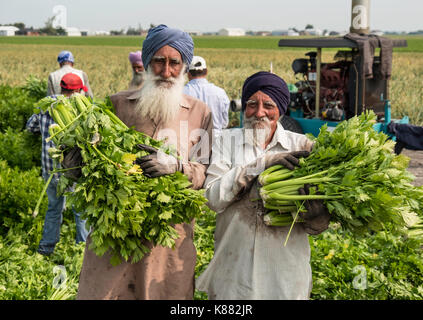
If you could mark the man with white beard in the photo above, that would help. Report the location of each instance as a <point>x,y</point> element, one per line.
<point>250,260</point>
<point>160,110</point>
<point>135,59</point>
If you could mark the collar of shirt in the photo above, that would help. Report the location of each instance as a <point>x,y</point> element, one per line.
<point>278,137</point>
<point>137,94</point>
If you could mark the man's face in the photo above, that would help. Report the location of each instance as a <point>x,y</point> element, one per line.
<point>137,67</point>
<point>260,105</point>
<point>166,63</point>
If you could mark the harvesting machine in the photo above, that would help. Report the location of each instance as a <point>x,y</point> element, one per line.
<point>357,80</point>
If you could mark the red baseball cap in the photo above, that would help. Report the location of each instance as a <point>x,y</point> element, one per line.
<point>71,81</point>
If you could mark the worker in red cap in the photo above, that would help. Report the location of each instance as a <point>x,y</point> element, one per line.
<point>39,123</point>
<point>71,83</point>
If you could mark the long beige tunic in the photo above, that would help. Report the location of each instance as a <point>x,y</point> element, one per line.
<point>163,273</point>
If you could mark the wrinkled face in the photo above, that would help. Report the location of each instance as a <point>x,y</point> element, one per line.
<point>166,64</point>
<point>259,106</point>
<point>137,67</point>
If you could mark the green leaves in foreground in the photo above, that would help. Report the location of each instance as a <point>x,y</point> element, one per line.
<point>363,183</point>
<point>126,210</point>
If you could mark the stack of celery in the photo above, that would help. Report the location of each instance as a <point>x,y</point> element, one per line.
<point>354,171</point>
<point>126,210</point>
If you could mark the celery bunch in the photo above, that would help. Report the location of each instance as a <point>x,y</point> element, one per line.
<point>125,209</point>
<point>354,171</point>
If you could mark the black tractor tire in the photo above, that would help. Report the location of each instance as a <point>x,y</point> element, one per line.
<point>291,124</point>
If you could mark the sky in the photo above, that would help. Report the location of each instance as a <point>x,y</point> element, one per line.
<point>212,15</point>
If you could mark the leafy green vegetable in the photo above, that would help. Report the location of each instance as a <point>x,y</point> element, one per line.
<point>354,171</point>
<point>124,208</point>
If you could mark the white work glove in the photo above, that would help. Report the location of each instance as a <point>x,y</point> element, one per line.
<point>251,171</point>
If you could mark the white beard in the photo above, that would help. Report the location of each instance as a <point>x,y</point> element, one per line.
<point>160,101</point>
<point>257,130</point>
<point>137,79</point>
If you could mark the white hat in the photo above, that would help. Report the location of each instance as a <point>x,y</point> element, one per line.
<point>197,63</point>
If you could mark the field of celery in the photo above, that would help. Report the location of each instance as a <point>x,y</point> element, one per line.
<point>379,266</point>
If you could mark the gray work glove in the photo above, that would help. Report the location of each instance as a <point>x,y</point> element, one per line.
<point>72,159</point>
<point>317,217</point>
<point>157,163</point>
<point>250,172</point>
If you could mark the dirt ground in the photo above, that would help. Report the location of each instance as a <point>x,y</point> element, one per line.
<point>415,165</point>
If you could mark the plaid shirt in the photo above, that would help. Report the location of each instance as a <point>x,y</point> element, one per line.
<point>39,123</point>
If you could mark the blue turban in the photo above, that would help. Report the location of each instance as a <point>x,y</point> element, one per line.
<point>161,36</point>
<point>65,56</point>
<point>270,84</point>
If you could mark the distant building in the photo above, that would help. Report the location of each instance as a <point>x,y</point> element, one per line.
<point>289,32</point>
<point>231,32</point>
<point>101,33</point>
<point>377,32</point>
<point>195,33</point>
<point>263,33</point>
<point>73,32</point>
<point>8,30</point>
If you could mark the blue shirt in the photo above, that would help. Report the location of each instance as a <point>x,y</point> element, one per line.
<point>215,98</point>
<point>39,123</point>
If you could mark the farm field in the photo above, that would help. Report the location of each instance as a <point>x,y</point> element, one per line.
<point>379,266</point>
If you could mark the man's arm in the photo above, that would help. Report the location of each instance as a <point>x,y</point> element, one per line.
<point>50,86</point>
<point>195,169</point>
<point>87,84</point>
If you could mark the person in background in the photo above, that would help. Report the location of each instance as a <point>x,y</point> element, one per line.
<point>39,123</point>
<point>66,62</point>
<point>135,58</point>
<point>158,109</point>
<point>215,97</point>
<point>250,260</point>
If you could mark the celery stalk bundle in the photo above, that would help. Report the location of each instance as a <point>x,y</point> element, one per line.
<point>123,207</point>
<point>354,171</point>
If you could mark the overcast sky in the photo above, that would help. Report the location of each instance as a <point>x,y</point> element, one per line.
<point>212,15</point>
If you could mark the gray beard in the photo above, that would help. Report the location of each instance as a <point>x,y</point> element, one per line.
<point>158,102</point>
<point>256,131</point>
<point>137,79</point>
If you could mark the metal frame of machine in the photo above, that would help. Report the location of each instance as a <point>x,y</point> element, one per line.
<point>312,125</point>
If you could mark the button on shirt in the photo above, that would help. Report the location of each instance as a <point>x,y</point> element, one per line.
<point>250,260</point>
<point>215,98</point>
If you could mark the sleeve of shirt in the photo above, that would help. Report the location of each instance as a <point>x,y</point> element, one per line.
<point>87,84</point>
<point>50,87</point>
<point>225,110</point>
<point>222,175</point>
<point>33,124</point>
<point>196,167</point>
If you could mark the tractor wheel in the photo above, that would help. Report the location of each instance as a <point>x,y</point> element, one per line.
<point>291,124</point>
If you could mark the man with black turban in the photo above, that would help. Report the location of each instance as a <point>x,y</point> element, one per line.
<point>161,110</point>
<point>250,260</point>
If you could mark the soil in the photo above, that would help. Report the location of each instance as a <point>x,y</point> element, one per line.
<point>415,165</point>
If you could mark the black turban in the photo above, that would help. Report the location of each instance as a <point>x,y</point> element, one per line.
<point>270,84</point>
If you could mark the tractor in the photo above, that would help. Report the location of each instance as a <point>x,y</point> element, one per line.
<point>357,80</point>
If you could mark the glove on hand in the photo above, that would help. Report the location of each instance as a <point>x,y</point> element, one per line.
<point>250,172</point>
<point>72,159</point>
<point>288,160</point>
<point>317,216</point>
<point>157,163</point>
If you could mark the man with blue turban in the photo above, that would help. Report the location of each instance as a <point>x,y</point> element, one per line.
<point>66,62</point>
<point>161,110</point>
<point>250,260</point>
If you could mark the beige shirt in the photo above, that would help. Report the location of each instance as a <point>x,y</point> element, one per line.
<point>250,260</point>
<point>164,273</point>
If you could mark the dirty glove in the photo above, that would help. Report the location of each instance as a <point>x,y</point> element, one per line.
<point>72,159</point>
<point>317,217</point>
<point>250,172</point>
<point>157,163</point>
